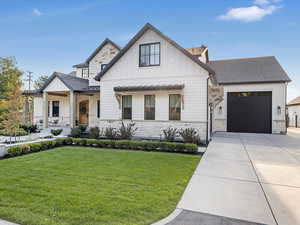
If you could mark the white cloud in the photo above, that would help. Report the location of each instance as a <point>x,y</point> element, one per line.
<point>248,14</point>
<point>37,12</point>
<point>261,2</point>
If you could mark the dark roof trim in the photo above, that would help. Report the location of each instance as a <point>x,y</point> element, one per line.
<point>253,82</point>
<point>150,88</point>
<point>32,92</point>
<point>105,42</point>
<point>81,65</point>
<point>137,36</point>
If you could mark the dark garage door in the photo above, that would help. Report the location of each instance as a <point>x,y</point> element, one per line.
<point>249,112</point>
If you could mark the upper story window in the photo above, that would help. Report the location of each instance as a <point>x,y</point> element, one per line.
<point>85,73</point>
<point>103,66</point>
<point>149,54</point>
<point>174,107</point>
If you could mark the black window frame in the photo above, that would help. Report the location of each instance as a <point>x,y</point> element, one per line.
<point>103,66</point>
<point>150,116</point>
<point>171,117</point>
<point>98,108</point>
<point>88,73</point>
<point>140,56</point>
<point>55,109</point>
<point>124,116</point>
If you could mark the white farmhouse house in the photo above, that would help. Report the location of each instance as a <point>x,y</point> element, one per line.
<point>294,112</point>
<point>156,83</point>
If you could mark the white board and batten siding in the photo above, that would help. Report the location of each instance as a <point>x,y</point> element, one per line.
<point>294,110</point>
<point>278,99</point>
<point>175,68</point>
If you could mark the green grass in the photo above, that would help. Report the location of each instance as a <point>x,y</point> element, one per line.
<point>86,186</point>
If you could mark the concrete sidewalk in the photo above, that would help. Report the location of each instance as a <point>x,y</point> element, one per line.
<point>249,177</point>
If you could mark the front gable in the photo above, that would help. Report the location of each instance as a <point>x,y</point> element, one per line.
<point>56,85</point>
<point>173,62</point>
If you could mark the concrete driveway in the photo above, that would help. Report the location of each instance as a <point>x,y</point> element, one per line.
<point>250,177</point>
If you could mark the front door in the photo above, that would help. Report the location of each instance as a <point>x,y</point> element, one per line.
<point>84,112</point>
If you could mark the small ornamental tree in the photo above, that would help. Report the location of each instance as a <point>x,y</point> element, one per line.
<point>39,83</point>
<point>12,100</point>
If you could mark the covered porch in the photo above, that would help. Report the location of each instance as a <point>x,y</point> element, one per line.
<point>67,101</point>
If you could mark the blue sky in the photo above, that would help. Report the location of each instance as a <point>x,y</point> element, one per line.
<point>47,36</point>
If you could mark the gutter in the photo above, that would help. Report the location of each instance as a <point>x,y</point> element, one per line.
<point>207,141</point>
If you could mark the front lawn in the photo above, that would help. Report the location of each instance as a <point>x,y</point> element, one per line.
<point>87,186</point>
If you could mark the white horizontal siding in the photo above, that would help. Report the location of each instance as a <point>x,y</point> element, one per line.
<point>278,99</point>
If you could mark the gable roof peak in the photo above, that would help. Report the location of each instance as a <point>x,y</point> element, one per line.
<point>140,33</point>
<point>95,52</point>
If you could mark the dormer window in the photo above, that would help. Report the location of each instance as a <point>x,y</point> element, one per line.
<point>85,73</point>
<point>149,54</point>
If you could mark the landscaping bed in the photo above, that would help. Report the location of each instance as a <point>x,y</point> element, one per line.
<point>116,144</point>
<point>83,185</point>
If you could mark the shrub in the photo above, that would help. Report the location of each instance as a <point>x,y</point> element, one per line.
<point>127,131</point>
<point>56,132</point>
<point>111,133</point>
<point>35,147</point>
<point>82,128</point>
<point>18,150</point>
<point>20,132</point>
<point>92,142</point>
<point>68,141</point>
<point>60,141</point>
<point>170,134</point>
<point>190,135</point>
<point>94,133</point>
<point>29,128</point>
<point>76,132</point>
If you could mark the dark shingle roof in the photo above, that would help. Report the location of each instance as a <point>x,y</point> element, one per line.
<point>249,70</point>
<point>140,34</point>
<point>295,101</point>
<point>149,87</point>
<point>72,82</point>
<point>86,63</point>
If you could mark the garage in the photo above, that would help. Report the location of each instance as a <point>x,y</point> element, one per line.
<point>249,112</point>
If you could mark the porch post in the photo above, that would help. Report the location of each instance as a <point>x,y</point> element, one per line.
<point>72,109</point>
<point>45,111</point>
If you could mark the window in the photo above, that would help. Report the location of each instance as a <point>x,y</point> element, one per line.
<point>127,107</point>
<point>85,73</point>
<point>55,109</point>
<point>103,66</point>
<point>98,109</point>
<point>174,107</point>
<point>150,54</point>
<point>149,107</point>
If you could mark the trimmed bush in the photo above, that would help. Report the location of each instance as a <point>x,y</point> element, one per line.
<point>20,132</point>
<point>94,132</point>
<point>76,132</point>
<point>29,128</point>
<point>111,133</point>
<point>82,128</point>
<point>117,144</point>
<point>56,132</point>
<point>190,135</point>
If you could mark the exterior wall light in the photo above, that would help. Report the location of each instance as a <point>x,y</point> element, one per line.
<point>278,110</point>
<point>220,109</point>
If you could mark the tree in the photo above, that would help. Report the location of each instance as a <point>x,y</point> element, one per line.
<point>39,83</point>
<point>11,95</point>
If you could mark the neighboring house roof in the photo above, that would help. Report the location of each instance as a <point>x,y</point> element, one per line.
<point>105,42</point>
<point>197,50</point>
<point>150,87</point>
<point>295,101</point>
<point>249,70</point>
<point>140,34</point>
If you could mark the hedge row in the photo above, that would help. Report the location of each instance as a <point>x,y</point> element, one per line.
<point>116,144</point>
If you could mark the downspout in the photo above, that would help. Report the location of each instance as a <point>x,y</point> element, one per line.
<point>285,112</point>
<point>207,111</point>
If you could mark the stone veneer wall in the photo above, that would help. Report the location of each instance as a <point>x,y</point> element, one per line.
<point>153,129</point>
<point>278,127</point>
